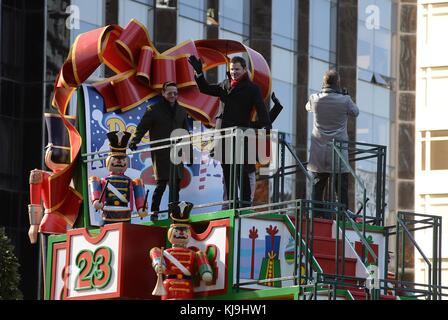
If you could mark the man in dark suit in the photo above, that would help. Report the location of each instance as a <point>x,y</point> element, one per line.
<point>160,120</point>
<point>238,95</point>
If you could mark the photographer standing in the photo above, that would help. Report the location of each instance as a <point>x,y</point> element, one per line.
<point>331,109</point>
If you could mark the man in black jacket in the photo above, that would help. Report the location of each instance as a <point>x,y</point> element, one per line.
<point>160,120</point>
<point>238,96</point>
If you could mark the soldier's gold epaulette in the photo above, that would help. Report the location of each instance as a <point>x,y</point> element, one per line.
<point>137,182</point>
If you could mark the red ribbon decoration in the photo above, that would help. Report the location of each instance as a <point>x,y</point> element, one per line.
<point>140,73</point>
<point>141,70</point>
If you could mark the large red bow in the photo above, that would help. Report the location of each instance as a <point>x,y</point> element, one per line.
<point>141,70</point>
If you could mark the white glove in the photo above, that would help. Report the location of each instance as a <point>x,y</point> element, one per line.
<point>33,232</point>
<point>97,205</point>
<point>207,277</point>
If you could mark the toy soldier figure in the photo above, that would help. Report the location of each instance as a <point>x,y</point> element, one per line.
<point>51,188</point>
<point>179,264</point>
<point>115,194</point>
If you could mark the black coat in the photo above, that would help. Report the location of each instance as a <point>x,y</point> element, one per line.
<point>160,120</point>
<point>238,102</point>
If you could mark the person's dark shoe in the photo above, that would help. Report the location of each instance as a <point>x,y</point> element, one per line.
<point>154,216</point>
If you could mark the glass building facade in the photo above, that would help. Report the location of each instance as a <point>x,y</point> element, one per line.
<point>375,93</point>
<point>299,39</point>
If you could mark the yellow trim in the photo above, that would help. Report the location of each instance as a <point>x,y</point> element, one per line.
<point>64,109</point>
<point>179,276</point>
<point>182,55</point>
<point>157,86</point>
<point>195,109</point>
<point>125,47</point>
<point>110,66</point>
<point>142,74</point>
<point>99,47</point>
<point>111,154</point>
<point>123,76</point>
<point>103,45</point>
<point>186,84</point>
<point>163,57</point>
<point>208,67</point>
<point>117,148</point>
<point>111,79</point>
<point>112,109</point>
<point>123,189</point>
<point>148,48</point>
<point>118,52</point>
<point>184,261</point>
<point>61,147</point>
<point>71,223</point>
<point>117,180</point>
<point>149,96</point>
<point>56,207</point>
<point>253,74</point>
<point>251,64</point>
<point>146,32</point>
<point>182,254</point>
<point>57,115</point>
<point>177,47</point>
<point>64,83</point>
<point>179,289</point>
<point>103,48</point>
<point>73,58</point>
<point>174,224</point>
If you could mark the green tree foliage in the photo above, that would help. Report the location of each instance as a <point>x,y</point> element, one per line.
<point>9,270</point>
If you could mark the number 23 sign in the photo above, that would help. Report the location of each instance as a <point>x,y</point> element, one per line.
<point>95,268</point>
<point>92,264</point>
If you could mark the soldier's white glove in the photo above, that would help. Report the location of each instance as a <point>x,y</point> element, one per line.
<point>97,205</point>
<point>207,277</point>
<point>33,232</point>
<point>141,213</point>
<point>159,268</point>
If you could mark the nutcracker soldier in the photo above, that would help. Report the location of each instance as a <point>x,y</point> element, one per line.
<point>179,264</point>
<point>115,194</point>
<point>52,188</point>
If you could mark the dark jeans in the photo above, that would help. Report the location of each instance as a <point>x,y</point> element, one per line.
<point>322,182</point>
<point>226,169</point>
<point>158,194</point>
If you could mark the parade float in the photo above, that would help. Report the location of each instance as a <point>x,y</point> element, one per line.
<point>274,250</point>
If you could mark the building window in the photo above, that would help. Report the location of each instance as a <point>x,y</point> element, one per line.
<point>434,146</point>
<point>234,21</point>
<point>434,82</point>
<point>191,20</point>
<point>143,11</point>
<point>170,4</point>
<point>234,16</point>
<point>376,23</point>
<point>323,30</point>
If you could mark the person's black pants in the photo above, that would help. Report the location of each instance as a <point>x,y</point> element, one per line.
<point>158,194</point>
<point>322,184</point>
<point>226,169</point>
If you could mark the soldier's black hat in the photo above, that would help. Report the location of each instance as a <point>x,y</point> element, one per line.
<point>118,142</point>
<point>179,211</point>
<point>58,138</point>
